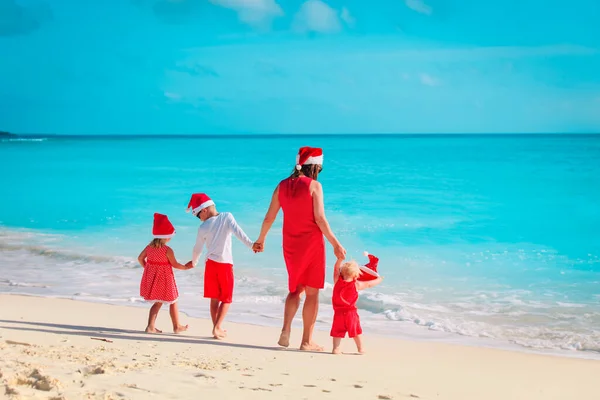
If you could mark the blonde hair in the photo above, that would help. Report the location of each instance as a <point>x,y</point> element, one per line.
<point>350,270</point>
<point>157,243</point>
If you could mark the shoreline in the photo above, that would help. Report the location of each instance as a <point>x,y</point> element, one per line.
<point>47,351</point>
<point>417,334</point>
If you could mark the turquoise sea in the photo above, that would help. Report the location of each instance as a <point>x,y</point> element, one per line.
<point>490,240</point>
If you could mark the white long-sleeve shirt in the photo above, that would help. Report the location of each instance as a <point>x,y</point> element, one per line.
<point>216,232</point>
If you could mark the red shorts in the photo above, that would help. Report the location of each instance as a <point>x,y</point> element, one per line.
<point>218,281</point>
<point>346,322</point>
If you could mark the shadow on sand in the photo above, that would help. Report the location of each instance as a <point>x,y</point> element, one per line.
<point>125,334</point>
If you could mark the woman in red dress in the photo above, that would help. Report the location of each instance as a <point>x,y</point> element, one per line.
<point>304,224</point>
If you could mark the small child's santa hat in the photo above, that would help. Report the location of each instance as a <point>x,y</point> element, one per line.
<point>370,269</point>
<point>308,156</point>
<point>162,228</point>
<point>198,202</point>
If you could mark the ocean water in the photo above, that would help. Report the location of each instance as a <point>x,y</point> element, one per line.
<point>488,240</point>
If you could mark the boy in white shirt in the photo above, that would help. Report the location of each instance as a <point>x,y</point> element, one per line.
<point>215,232</point>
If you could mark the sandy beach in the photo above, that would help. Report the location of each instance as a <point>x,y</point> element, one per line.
<point>50,349</point>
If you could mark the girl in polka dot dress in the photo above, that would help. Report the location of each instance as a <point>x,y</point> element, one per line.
<point>158,282</point>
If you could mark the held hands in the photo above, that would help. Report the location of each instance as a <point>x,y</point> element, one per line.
<point>189,265</point>
<point>258,247</point>
<point>339,251</point>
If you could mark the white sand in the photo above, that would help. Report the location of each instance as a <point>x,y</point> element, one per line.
<point>46,352</point>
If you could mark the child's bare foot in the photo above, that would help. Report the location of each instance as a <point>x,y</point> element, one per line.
<point>311,347</point>
<point>361,351</point>
<point>180,328</point>
<point>336,351</point>
<point>284,339</point>
<point>152,330</point>
<point>219,333</point>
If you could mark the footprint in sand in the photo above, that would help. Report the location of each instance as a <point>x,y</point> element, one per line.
<point>257,389</point>
<point>10,391</point>
<point>275,384</point>
<point>38,381</point>
<point>358,386</point>
<point>310,386</point>
<point>201,375</point>
<point>384,397</point>
<point>326,391</point>
<point>92,371</point>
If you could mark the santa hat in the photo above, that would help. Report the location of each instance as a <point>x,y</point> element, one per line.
<point>162,228</point>
<point>370,269</point>
<point>309,155</point>
<point>198,202</point>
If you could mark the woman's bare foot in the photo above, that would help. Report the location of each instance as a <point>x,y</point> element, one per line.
<point>180,328</point>
<point>219,333</point>
<point>361,351</point>
<point>311,347</point>
<point>284,339</point>
<point>336,351</point>
<point>152,330</point>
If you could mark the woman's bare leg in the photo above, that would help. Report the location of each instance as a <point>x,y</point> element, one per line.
<point>309,317</point>
<point>292,303</point>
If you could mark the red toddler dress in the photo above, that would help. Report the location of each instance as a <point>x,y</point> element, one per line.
<point>158,281</point>
<point>303,241</point>
<point>345,317</point>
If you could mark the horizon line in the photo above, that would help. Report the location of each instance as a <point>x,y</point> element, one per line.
<point>290,135</point>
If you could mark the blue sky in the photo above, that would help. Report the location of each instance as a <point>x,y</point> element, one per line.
<point>283,66</point>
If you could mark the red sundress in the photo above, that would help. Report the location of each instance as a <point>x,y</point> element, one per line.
<point>158,281</point>
<point>303,241</point>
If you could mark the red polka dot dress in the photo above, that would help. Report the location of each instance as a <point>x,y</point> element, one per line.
<point>158,280</point>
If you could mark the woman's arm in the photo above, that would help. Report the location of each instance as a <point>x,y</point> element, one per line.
<point>269,219</point>
<point>142,257</point>
<point>173,261</point>
<point>319,211</point>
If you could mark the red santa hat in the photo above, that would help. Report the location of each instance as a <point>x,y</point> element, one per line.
<point>308,156</point>
<point>198,202</point>
<point>370,269</point>
<point>162,228</point>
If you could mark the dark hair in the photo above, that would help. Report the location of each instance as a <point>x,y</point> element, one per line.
<point>309,170</point>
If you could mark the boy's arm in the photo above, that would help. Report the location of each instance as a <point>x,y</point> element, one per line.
<point>239,232</point>
<point>200,239</point>
<point>362,285</point>
<point>336,269</point>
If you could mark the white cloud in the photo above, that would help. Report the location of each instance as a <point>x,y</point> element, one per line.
<point>428,80</point>
<point>347,17</point>
<point>253,12</point>
<point>419,6</point>
<point>316,16</point>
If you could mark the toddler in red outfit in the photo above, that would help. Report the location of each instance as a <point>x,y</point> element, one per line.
<point>345,295</point>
